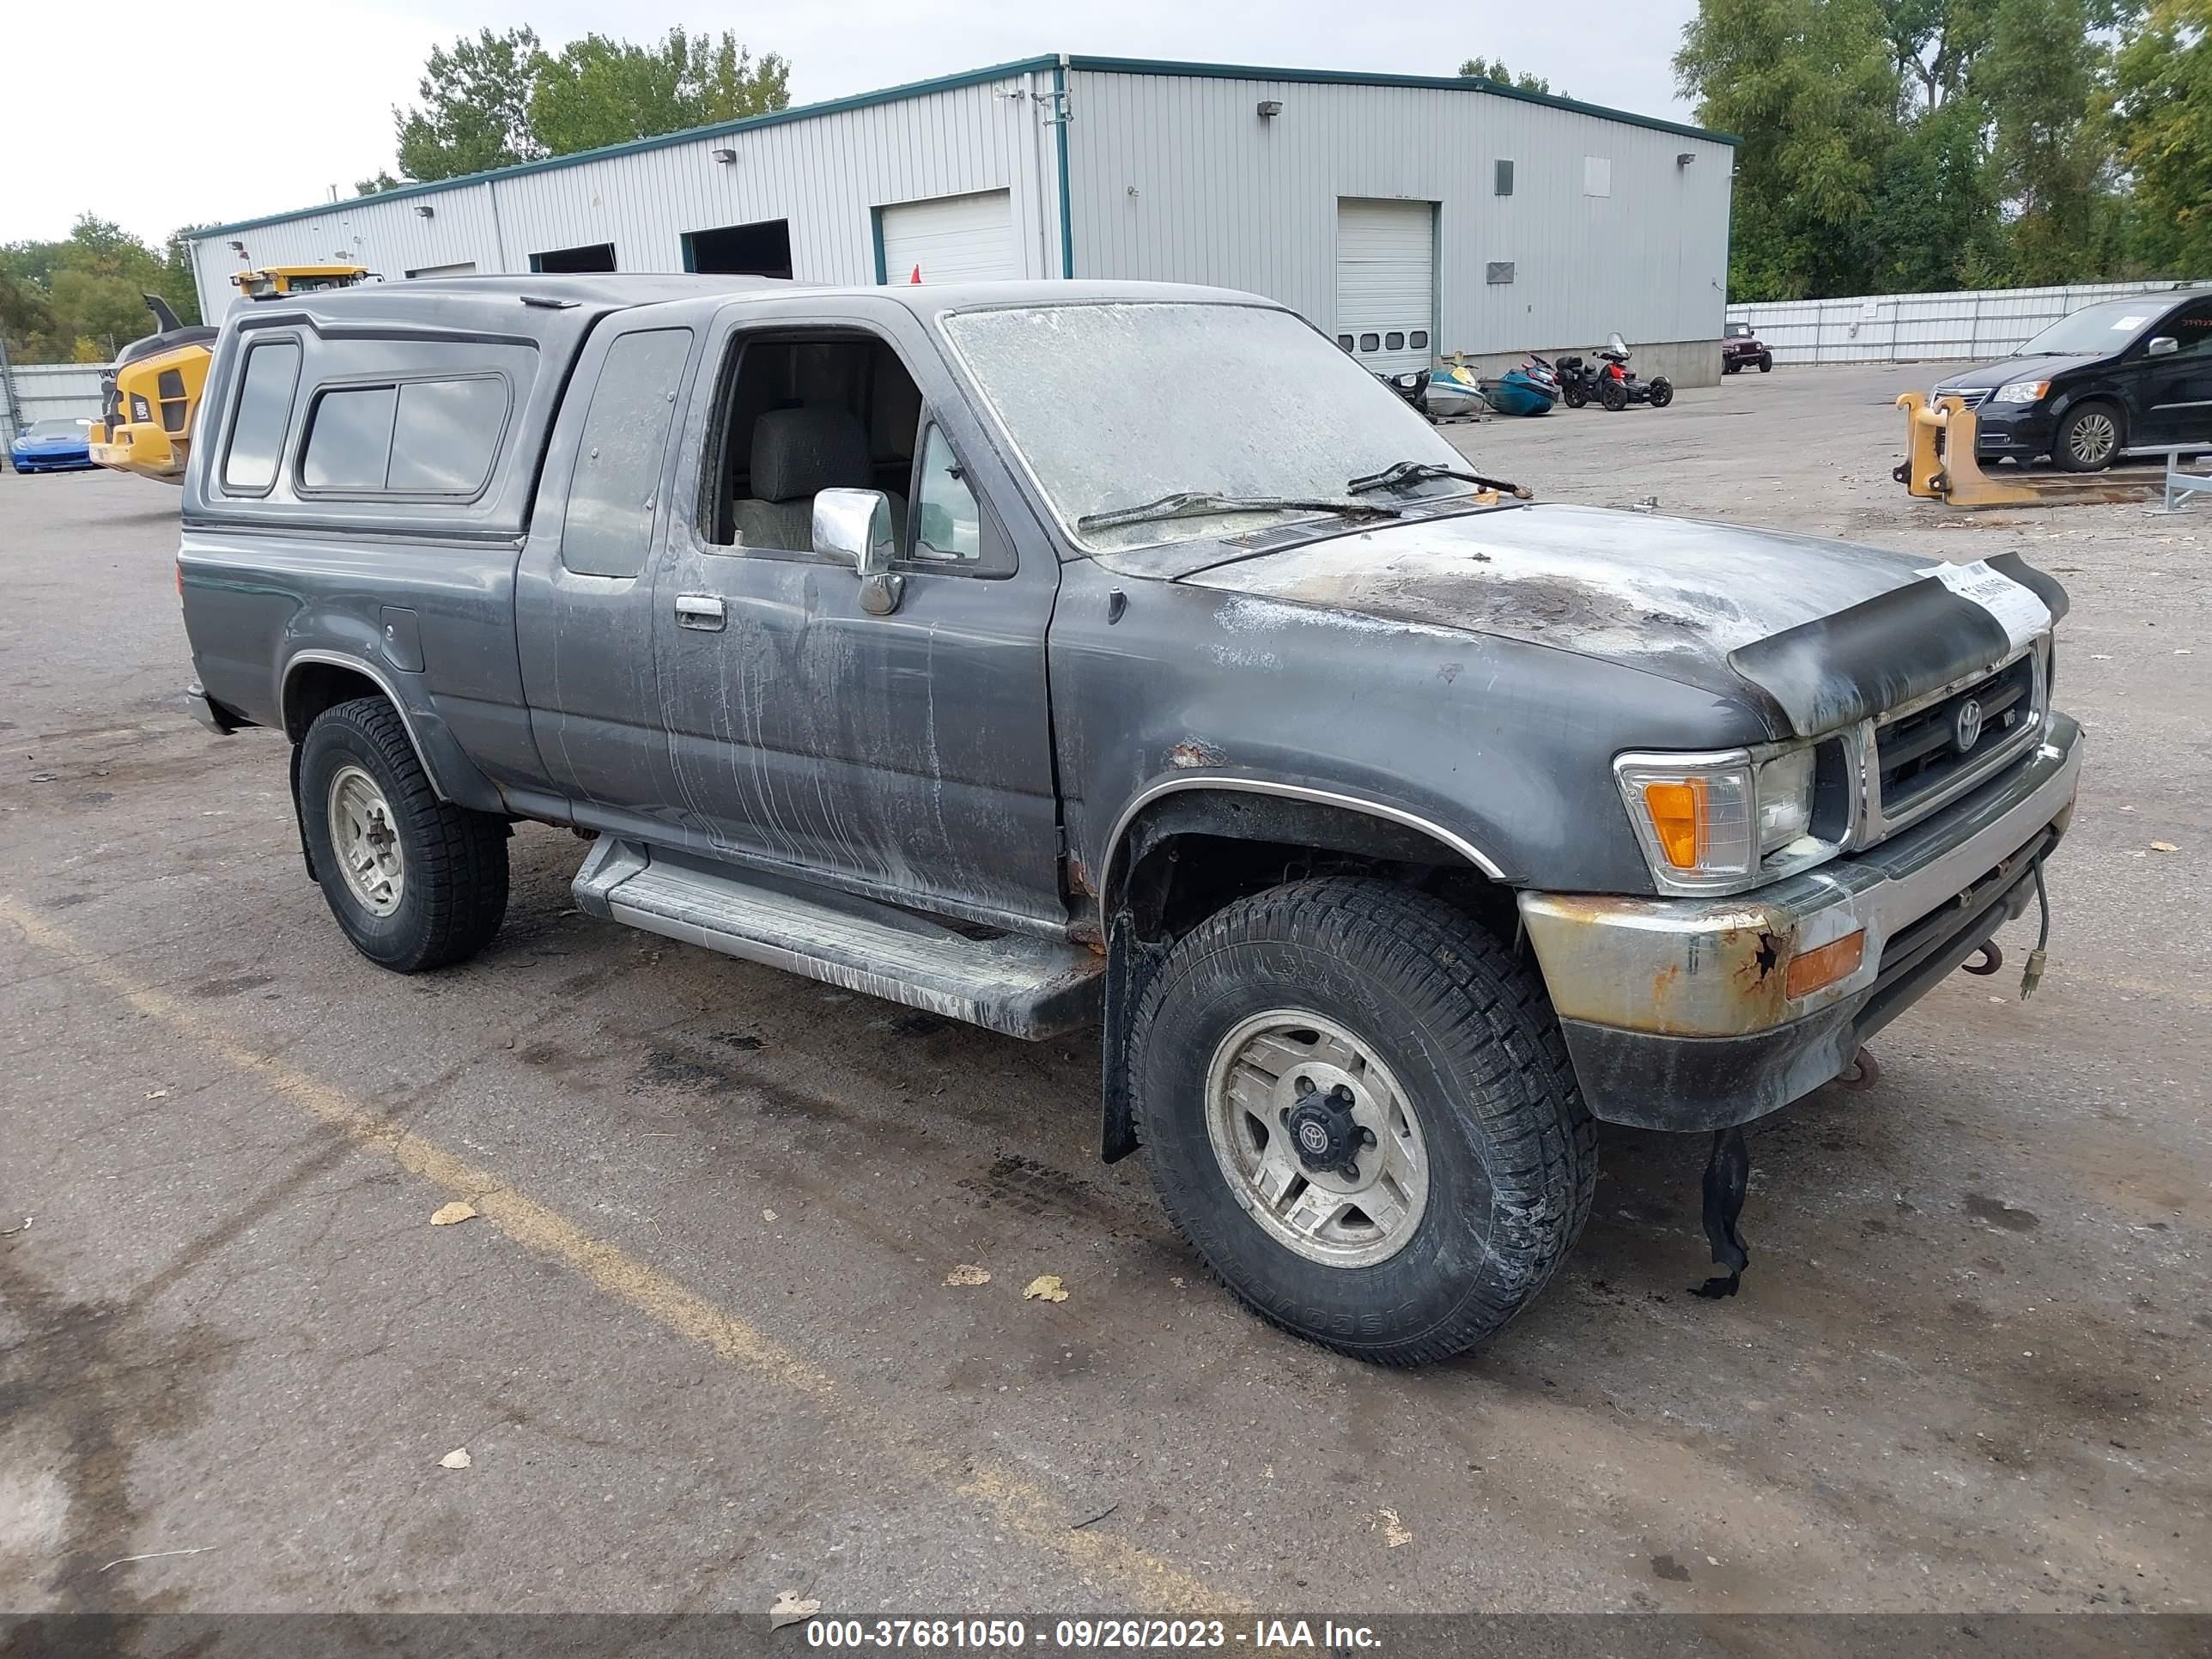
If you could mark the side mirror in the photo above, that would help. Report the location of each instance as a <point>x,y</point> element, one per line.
<point>853,527</point>
<point>2161,345</point>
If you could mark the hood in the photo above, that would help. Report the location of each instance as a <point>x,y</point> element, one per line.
<point>1990,376</point>
<point>1821,633</point>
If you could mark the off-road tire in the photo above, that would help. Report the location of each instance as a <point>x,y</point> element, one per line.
<point>1469,1034</point>
<point>454,895</point>
<point>1766,363</point>
<point>1613,394</point>
<point>1730,366</point>
<point>2062,441</point>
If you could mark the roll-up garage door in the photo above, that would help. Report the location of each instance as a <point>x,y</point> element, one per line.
<point>951,238</point>
<point>1386,282</point>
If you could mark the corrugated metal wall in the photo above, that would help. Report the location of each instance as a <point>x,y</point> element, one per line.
<point>1178,177</point>
<point>1888,328</point>
<point>47,390</point>
<point>824,173</point>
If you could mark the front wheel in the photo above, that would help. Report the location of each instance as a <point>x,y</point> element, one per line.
<point>2088,439</point>
<point>415,882</point>
<point>1766,362</point>
<point>1359,1112</point>
<point>1613,394</point>
<point>1663,391</point>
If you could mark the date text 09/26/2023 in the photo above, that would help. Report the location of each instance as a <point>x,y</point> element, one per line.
<point>1011,1635</point>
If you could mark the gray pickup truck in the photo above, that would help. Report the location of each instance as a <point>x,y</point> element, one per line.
<point>1078,655</point>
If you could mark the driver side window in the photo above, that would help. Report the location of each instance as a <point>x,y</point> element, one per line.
<point>948,524</point>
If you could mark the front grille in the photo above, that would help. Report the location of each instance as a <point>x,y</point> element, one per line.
<point>1973,396</point>
<point>1920,753</point>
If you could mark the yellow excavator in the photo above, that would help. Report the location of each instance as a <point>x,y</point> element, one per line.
<point>150,398</point>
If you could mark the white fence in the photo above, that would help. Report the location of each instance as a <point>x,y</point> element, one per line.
<point>1893,328</point>
<point>45,390</point>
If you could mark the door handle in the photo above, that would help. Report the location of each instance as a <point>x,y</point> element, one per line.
<point>700,610</point>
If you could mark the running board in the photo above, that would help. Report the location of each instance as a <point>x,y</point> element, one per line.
<point>1025,987</point>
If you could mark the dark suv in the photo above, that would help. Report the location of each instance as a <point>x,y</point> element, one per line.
<point>2123,375</point>
<point>1741,349</point>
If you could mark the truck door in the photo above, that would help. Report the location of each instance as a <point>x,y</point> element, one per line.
<point>907,755</point>
<point>584,598</point>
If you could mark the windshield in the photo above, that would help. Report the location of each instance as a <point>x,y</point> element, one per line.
<point>1739,330</point>
<point>2097,330</point>
<point>56,429</point>
<point>1117,404</point>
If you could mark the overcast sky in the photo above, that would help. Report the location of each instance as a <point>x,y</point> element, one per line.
<point>254,110</point>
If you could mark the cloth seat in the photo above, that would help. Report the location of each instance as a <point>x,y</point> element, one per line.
<point>796,453</point>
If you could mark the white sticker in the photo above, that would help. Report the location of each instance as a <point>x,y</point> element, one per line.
<point>2017,609</point>
<point>2130,322</point>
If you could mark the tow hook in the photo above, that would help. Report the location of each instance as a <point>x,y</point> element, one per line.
<point>1728,1172</point>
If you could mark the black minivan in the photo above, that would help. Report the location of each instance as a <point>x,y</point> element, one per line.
<point>2122,376</point>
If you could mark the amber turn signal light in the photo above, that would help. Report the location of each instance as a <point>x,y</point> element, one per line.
<point>1678,816</point>
<point>1839,958</point>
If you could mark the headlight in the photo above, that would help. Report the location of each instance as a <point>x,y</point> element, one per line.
<point>2021,392</point>
<point>1706,821</point>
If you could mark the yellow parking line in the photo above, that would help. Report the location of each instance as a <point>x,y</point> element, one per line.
<point>1011,1502</point>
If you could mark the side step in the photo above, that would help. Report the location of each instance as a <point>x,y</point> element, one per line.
<point>1025,987</point>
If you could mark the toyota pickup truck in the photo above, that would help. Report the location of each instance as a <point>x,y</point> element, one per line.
<point>988,649</point>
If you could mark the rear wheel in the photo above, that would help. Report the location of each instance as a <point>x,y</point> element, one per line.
<point>1572,395</point>
<point>415,882</point>
<point>2088,439</point>
<point>1359,1111</point>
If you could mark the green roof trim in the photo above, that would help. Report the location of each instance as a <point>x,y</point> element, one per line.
<point>1428,82</point>
<point>969,78</point>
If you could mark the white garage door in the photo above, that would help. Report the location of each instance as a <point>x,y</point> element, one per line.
<point>951,238</point>
<point>1386,282</point>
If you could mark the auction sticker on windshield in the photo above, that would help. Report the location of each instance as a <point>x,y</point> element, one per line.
<point>2017,609</point>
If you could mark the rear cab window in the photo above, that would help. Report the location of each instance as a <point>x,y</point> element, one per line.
<point>432,437</point>
<point>261,418</point>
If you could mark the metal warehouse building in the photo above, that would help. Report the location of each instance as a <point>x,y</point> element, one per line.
<point>1411,217</point>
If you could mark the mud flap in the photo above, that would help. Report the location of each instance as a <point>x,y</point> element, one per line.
<point>299,817</point>
<point>1728,1172</point>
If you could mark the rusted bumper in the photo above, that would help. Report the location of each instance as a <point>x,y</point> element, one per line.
<point>1679,1013</point>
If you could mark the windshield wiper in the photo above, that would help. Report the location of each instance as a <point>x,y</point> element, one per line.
<point>1199,503</point>
<point>1415,472</point>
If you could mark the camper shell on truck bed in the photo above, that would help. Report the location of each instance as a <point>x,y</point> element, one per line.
<point>983,648</point>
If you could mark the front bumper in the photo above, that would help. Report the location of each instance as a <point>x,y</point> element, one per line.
<point>1677,1012</point>
<point>65,460</point>
<point>2021,430</point>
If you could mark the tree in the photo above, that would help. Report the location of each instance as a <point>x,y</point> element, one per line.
<point>500,98</point>
<point>600,91</point>
<point>475,113</point>
<point>177,284</point>
<point>1812,87</point>
<point>1934,44</point>
<point>1476,70</point>
<point>80,299</point>
<point>2043,77</point>
<point>2161,116</point>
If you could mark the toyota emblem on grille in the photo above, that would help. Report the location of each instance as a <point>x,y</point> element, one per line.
<point>1966,726</point>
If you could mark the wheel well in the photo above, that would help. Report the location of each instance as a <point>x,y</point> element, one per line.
<point>1194,852</point>
<point>316,686</point>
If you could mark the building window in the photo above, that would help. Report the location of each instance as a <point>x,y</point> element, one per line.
<point>569,261</point>
<point>1418,339</point>
<point>1395,341</point>
<point>1370,343</point>
<point>1345,340</point>
<point>1597,175</point>
<point>1504,185</point>
<point>757,250</point>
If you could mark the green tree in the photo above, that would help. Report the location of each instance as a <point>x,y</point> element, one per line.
<point>79,299</point>
<point>1812,88</point>
<point>600,91</point>
<point>2044,77</point>
<point>2161,116</point>
<point>177,285</point>
<point>1476,69</point>
<point>1934,44</point>
<point>475,109</point>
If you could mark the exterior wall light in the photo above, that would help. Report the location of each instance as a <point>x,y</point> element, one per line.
<point>425,210</point>
<point>1685,158</point>
<point>1270,108</point>
<point>727,157</point>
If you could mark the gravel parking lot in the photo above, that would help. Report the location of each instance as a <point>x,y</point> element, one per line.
<point>699,1343</point>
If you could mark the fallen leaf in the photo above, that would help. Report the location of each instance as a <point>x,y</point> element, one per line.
<point>1395,1534</point>
<point>448,1215</point>
<point>456,1459</point>
<point>1045,1287</point>
<point>965,1274</point>
<point>789,1609</point>
<point>2164,847</point>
